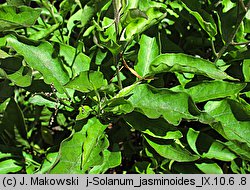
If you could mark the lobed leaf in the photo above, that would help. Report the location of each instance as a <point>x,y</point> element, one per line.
<point>155,103</point>
<point>12,69</point>
<point>208,90</point>
<point>85,149</point>
<point>232,119</point>
<point>207,147</point>
<point>87,81</point>
<point>172,151</point>
<point>179,62</point>
<point>205,20</point>
<point>157,128</point>
<point>12,17</point>
<point>41,59</point>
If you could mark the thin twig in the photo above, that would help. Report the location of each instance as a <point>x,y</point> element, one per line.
<point>242,5</point>
<point>240,43</point>
<point>130,69</point>
<point>116,57</point>
<point>233,34</point>
<point>213,48</point>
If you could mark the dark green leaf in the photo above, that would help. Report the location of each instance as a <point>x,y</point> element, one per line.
<point>6,90</point>
<point>13,118</point>
<point>205,20</point>
<point>15,71</point>
<point>158,128</point>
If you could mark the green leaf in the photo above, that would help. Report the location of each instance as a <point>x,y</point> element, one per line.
<point>227,5</point>
<point>158,128</point>
<point>137,26</point>
<point>205,146</point>
<point>246,70</point>
<point>172,151</point>
<point>132,15</point>
<point>82,15</point>
<point>48,162</point>
<point>84,112</point>
<point>9,166</point>
<point>186,64</point>
<point>6,90</point>
<point>41,101</point>
<point>18,2</point>
<point>241,149</point>
<point>84,149</point>
<point>233,119</point>
<point>13,118</point>
<point>155,103</point>
<point>210,168</point>
<point>87,81</point>
<point>44,33</point>
<point>14,70</point>
<point>78,61</point>
<point>110,160</point>
<point>40,58</point>
<point>143,168</point>
<point>148,51</point>
<point>208,90</point>
<point>12,17</point>
<point>205,20</point>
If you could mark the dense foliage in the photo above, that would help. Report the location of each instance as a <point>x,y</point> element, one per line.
<point>125,86</point>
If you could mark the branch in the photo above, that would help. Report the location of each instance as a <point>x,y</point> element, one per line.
<point>240,43</point>
<point>234,32</point>
<point>117,8</point>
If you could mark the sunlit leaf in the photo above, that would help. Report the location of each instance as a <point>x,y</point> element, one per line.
<point>186,64</point>
<point>172,151</point>
<point>246,70</point>
<point>84,149</point>
<point>233,119</point>
<point>210,168</point>
<point>9,166</point>
<point>207,147</point>
<point>155,103</point>
<point>41,58</point>
<point>148,51</point>
<point>12,17</point>
<point>208,90</point>
<point>87,81</point>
